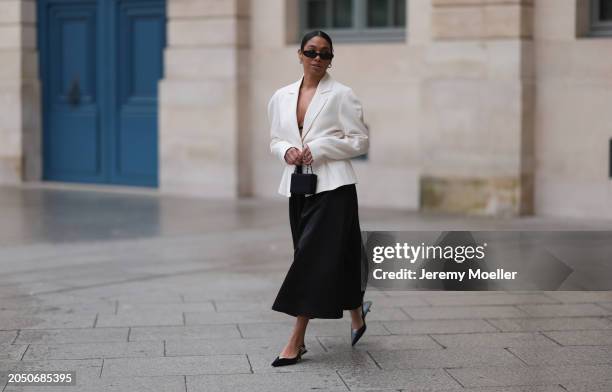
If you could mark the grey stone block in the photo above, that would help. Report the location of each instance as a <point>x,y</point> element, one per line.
<point>487,298</point>
<point>242,306</point>
<point>581,296</point>
<point>463,312</point>
<point>7,336</point>
<point>119,384</point>
<point>84,369</point>
<point>175,366</point>
<point>551,324</point>
<point>548,356</point>
<point>234,317</point>
<point>264,382</point>
<point>78,335</point>
<point>411,380</point>
<point>560,310</point>
<point>605,305</point>
<point>494,339</point>
<point>95,350</point>
<point>15,319</point>
<point>141,318</point>
<point>437,326</point>
<point>220,331</point>
<point>444,358</point>
<point>531,388</point>
<point>12,352</point>
<point>397,301</point>
<point>586,387</point>
<point>267,346</point>
<point>130,307</point>
<point>282,330</point>
<point>376,342</point>
<point>353,361</point>
<point>582,338</point>
<point>535,375</point>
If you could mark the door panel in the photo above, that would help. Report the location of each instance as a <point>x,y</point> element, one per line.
<point>100,62</point>
<point>140,39</point>
<point>73,150</point>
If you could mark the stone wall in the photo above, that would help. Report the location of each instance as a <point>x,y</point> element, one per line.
<point>203,123</point>
<point>20,129</point>
<point>477,101</point>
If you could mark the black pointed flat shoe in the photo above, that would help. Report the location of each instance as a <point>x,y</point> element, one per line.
<point>357,333</point>
<point>290,361</point>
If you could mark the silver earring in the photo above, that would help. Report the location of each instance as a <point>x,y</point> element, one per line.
<point>329,66</point>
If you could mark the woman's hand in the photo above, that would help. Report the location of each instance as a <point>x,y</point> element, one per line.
<point>307,156</point>
<point>293,156</point>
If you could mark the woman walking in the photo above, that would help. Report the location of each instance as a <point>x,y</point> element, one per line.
<point>318,122</point>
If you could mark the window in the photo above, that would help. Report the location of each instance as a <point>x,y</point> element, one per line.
<point>355,20</point>
<point>601,17</point>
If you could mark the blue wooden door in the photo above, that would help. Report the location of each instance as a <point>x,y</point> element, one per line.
<point>100,62</point>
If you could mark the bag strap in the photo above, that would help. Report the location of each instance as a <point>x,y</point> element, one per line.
<point>307,166</point>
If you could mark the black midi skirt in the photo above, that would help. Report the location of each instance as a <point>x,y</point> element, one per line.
<point>329,269</point>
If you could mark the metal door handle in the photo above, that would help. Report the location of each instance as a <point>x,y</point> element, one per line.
<point>74,93</point>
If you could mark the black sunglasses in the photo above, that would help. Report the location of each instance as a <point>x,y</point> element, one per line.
<point>313,54</point>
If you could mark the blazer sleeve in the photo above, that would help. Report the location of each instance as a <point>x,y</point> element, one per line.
<point>354,140</point>
<point>278,146</point>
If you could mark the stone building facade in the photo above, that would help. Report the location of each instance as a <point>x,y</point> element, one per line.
<point>493,107</point>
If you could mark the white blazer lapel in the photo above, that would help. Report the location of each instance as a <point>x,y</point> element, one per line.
<point>316,104</point>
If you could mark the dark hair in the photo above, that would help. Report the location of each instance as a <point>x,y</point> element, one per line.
<point>316,33</point>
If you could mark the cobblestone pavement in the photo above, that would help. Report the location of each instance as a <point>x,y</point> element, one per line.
<point>137,292</point>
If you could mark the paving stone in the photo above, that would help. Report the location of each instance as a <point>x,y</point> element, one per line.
<point>83,368</point>
<point>141,318</point>
<point>95,350</point>
<point>379,313</point>
<point>11,319</point>
<point>398,301</point>
<point>31,288</point>
<point>282,330</point>
<point>605,305</point>
<point>463,312</point>
<point>220,331</point>
<point>242,306</point>
<point>409,379</point>
<point>233,346</point>
<point>587,387</point>
<point>582,338</point>
<point>176,366</point>
<point>12,352</point>
<point>551,324</point>
<point>437,326</point>
<point>7,336</point>
<point>33,308</point>
<point>487,298</point>
<point>494,339</point>
<point>78,335</point>
<point>354,360</point>
<point>548,356</point>
<point>560,310</point>
<point>581,296</point>
<point>234,317</point>
<point>535,375</point>
<point>230,296</point>
<point>128,307</point>
<point>145,298</point>
<point>531,388</point>
<point>119,384</point>
<point>264,382</point>
<point>374,342</point>
<point>444,358</point>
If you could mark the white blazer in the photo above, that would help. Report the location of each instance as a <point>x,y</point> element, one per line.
<point>333,129</point>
